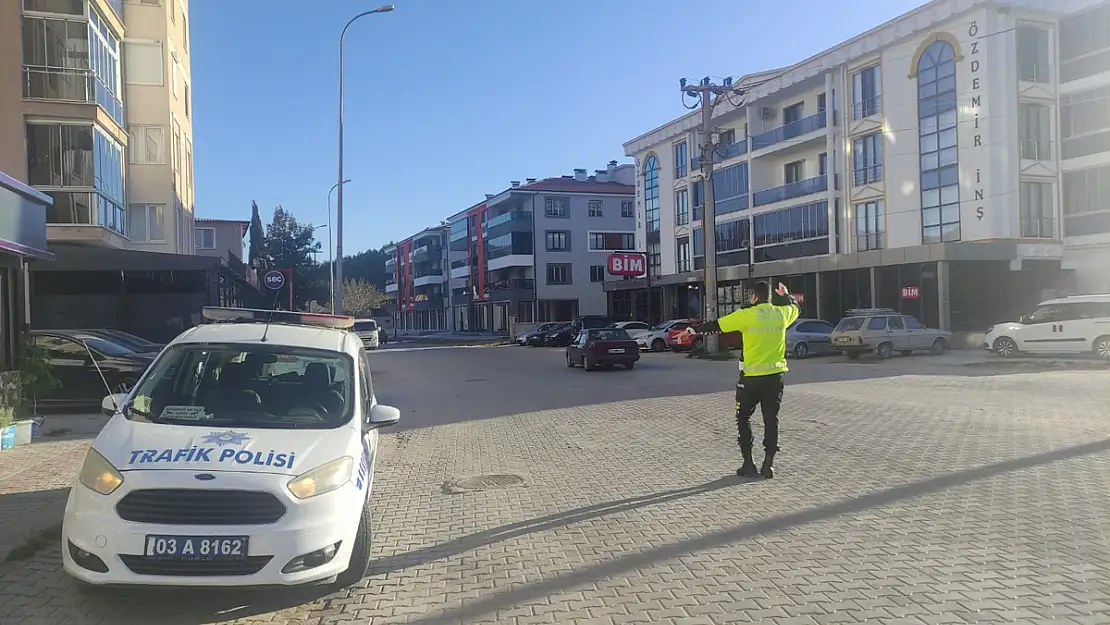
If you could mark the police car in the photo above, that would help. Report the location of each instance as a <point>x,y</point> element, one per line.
<point>244,456</point>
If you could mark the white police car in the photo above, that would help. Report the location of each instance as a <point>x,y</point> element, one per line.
<point>244,456</point>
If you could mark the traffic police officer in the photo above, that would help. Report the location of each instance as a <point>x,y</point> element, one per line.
<point>763,367</point>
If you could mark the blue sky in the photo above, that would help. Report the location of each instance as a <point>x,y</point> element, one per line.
<point>450,99</point>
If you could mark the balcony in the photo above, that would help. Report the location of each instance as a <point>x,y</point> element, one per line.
<point>867,175</point>
<point>434,276</point>
<point>512,221</point>
<point>866,108</point>
<point>56,83</point>
<point>1038,228</point>
<point>731,205</point>
<point>867,241</point>
<point>789,131</point>
<point>390,260</point>
<point>732,150</point>
<point>427,252</point>
<point>512,288</point>
<point>790,191</point>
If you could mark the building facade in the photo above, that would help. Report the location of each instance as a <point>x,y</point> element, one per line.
<point>95,112</point>
<point>911,167</point>
<point>416,277</point>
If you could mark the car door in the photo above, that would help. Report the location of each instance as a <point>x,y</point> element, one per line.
<point>1040,329</point>
<point>71,367</point>
<point>577,348</point>
<point>370,435</point>
<point>816,336</point>
<point>920,336</point>
<point>899,335</point>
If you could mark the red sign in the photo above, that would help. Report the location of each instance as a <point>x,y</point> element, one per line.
<point>911,292</point>
<point>799,297</point>
<point>627,264</point>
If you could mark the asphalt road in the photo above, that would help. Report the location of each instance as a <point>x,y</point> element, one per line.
<point>910,491</point>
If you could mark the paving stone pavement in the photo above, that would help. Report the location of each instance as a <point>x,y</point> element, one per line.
<point>908,492</point>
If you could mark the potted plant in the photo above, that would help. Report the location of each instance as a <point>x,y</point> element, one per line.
<point>35,379</point>
<point>10,392</point>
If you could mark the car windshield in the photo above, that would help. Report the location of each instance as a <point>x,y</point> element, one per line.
<point>663,326</point>
<point>260,386</point>
<point>104,346</point>
<point>365,326</point>
<point>610,334</point>
<point>850,323</point>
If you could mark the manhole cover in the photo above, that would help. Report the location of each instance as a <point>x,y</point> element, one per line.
<point>486,482</point>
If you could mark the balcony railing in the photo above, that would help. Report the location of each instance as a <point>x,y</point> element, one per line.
<point>56,83</point>
<point>504,218</point>
<point>866,108</point>
<point>682,266</point>
<point>511,283</point>
<point>1036,150</point>
<point>789,131</point>
<point>1044,228</point>
<point>1089,65</point>
<point>866,241</point>
<point>731,205</point>
<point>791,191</point>
<point>867,175</point>
<point>725,152</point>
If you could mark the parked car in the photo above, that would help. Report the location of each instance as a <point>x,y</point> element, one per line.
<point>1068,325</point>
<point>603,348</point>
<point>78,359</point>
<point>126,339</point>
<point>809,337</point>
<point>534,337</point>
<point>369,332</point>
<point>561,336</point>
<point>657,339</point>
<point>885,331</point>
<point>633,328</point>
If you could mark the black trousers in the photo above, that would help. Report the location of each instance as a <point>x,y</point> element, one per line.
<point>763,391</point>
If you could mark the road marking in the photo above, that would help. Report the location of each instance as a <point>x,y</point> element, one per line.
<point>431,347</point>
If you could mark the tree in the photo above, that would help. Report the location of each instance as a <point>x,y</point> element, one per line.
<point>289,246</point>
<point>257,235</point>
<point>360,298</point>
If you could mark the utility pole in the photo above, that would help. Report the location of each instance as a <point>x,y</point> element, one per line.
<point>709,95</point>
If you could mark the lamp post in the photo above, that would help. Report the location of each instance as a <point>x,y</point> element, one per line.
<point>338,299</point>
<point>331,261</point>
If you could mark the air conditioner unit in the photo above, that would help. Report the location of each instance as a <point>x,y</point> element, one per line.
<point>767,112</point>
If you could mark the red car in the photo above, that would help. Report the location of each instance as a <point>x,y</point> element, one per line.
<point>603,347</point>
<point>680,340</point>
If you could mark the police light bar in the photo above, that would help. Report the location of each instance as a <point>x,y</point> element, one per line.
<point>215,314</point>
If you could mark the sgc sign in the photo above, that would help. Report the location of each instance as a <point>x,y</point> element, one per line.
<point>627,264</point>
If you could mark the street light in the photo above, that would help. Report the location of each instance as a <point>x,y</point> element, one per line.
<point>338,299</point>
<point>331,261</point>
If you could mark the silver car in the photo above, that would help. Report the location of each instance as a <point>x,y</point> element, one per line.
<point>808,337</point>
<point>885,331</point>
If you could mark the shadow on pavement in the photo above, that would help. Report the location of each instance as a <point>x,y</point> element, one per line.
<point>25,517</point>
<point>647,558</point>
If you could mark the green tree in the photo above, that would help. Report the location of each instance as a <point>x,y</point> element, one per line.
<point>289,245</point>
<point>360,298</point>
<point>257,235</point>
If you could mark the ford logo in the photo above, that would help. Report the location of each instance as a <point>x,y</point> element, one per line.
<point>205,477</point>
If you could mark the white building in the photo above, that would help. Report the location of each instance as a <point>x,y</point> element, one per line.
<point>912,167</point>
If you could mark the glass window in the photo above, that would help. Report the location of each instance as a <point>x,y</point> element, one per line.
<point>681,161</point>
<point>557,240</point>
<point>866,92</point>
<point>1037,211</point>
<point>895,323</point>
<point>806,221</point>
<point>867,159</point>
<point>912,323</point>
<point>595,208</point>
<point>258,386</point>
<point>556,207</point>
<point>147,223</point>
<point>558,273</point>
<point>877,323</point>
<point>732,236</point>
<point>869,226</point>
<point>205,238</point>
<point>148,144</point>
<point>1032,54</point>
<point>628,209</point>
<point>937,137</point>
<point>681,207</point>
<point>651,193</point>
<point>597,273</point>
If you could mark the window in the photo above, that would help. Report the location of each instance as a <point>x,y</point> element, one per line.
<point>821,102</point>
<point>730,189</point>
<point>557,240</point>
<point>556,207</point>
<point>877,323</point>
<point>867,94</point>
<point>173,11</point>
<point>936,109</point>
<point>681,207</point>
<point>175,77</point>
<point>146,223</point>
<point>595,208</point>
<point>1085,122</point>
<point>726,137</point>
<point>797,223</point>
<point>792,113</point>
<point>67,7</point>
<point>144,62</point>
<point>869,226</point>
<point>815,327</point>
<point>56,58</point>
<point>1032,54</point>
<point>188,112</point>
<point>823,164</point>
<point>732,236</point>
<point>628,209</point>
<point>895,323</point>
<point>681,160</point>
<point>612,241</point>
<point>558,273</point>
<point>184,33</point>
<point>912,323</point>
<point>651,193</point>
<point>597,273</point>
<point>60,155</point>
<point>148,145</point>
<point>699,242</point>
<point>793,172</point>
<point>697,192</point>
<point>176,147</point>
<point>655,259</point>
<point>205,238</point>
<point>682,255</point>
<point>189,172</point>
<point>867,159</point>
<point>1035,128</point>
<point>1087,191</point>
<point>1037,215</point>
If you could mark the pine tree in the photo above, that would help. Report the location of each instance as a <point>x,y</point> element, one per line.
<point>257,235</point>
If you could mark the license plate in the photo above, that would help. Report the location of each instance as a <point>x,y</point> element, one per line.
<point>616,351</point>
<point>196,547</point>
<point>844,339</point>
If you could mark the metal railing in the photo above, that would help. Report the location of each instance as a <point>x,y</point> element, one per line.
<point>511,283</point>
<point>866,108</point>
<point>867,175</point>
<point>1086,65</point>
<point>1037,150</point>
<point>58,83</point>
<point>789,131</point>
<point>791,191</point>
<point>1044,228</point>
<point>682,266</point>
<point>866,241</point>
<point>504,218</point>
<point>731,205</point>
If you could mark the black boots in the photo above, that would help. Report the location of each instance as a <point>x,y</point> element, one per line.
<point>768,469</point>
<point>748,469</point>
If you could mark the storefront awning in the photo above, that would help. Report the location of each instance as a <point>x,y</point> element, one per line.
<point>23,219</point>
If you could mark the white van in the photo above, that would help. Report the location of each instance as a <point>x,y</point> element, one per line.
<point>1077,324</point>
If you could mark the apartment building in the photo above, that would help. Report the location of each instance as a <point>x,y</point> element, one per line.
<point>95,113</point>
<point>912,167</point>
<point>416,277</point>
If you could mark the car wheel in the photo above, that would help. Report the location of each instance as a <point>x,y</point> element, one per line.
<point>938,347</point>
<point>886,350</point>
<point>801,350</point>
<point>658,345</point>
<point>588,363</point>
<point>360,554</point>
<point>570,363</point>
<point>1005,347</point>
<point>1102,347</point>
<point>852,355</point>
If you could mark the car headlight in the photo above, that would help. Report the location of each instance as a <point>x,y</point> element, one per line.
<point>322,479</point>
<point>98,475</point>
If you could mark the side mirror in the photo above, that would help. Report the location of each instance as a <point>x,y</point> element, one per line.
<point>382,416</point>
<point>112,404</point>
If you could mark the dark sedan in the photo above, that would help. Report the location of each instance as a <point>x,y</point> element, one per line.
<point>126,339</point>
<point>561,336</point>
<point>88,367</point>
<point>603,347</point>
<point>535,336</point>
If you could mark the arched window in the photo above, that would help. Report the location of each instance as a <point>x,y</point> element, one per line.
<point>936,110</point>
<point>651,193</point>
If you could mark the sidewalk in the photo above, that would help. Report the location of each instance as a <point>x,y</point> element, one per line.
<point>35,478</point>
